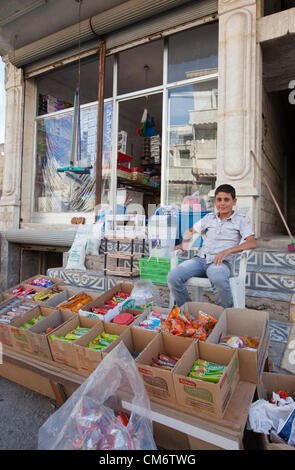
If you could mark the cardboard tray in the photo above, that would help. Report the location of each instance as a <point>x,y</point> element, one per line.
<point>240,322</point>
<point>198,395</point>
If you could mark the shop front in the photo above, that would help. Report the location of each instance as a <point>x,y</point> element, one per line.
<point>159,130</point>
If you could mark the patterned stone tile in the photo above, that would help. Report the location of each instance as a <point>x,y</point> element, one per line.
<point>279,331</point>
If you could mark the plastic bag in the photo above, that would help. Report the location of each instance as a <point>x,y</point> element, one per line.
<point>145,292</point>
<point>88,419</point>
<point>94,239</point>
<point>162,231</point>
<point>265,416</point>
<point>77,255</point>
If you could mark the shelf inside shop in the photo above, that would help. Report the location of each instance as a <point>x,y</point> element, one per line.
<point>140,186</point>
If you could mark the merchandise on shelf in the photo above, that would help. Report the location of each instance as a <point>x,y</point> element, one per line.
<point>123,172</point>
<point>136,174</point>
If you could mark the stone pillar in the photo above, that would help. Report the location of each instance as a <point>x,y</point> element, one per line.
<point>237,120</point>
<point>10,200</point>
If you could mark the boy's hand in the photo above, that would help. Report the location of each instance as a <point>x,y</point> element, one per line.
<point>221,256</point>
<point>179,247</point>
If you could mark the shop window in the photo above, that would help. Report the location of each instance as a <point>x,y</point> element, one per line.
<point>56,89</point>
<point>141,67</point>
<point>192,129</point>
<point>193,53</point>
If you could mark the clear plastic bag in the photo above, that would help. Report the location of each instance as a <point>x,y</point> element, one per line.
<point>145,292</point>
<point>88,419</point>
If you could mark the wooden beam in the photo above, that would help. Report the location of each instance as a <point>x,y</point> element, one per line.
<point>101,74</point>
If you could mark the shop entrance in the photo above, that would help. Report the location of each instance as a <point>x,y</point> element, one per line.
<point>139,154</point>
<point>278,138</point>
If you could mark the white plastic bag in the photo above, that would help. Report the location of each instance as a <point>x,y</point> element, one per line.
<point>264,416</point>
<point>77,252</point>
<point>88,419</point>
<point>94,239</point>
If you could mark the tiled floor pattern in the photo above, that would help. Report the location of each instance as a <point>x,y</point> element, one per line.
<point>282,347</point>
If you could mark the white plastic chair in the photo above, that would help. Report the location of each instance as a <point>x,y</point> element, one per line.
<point>237,282</point>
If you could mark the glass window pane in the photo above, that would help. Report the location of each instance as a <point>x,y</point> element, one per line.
<point>192,132</point>
<point>65,191</point>
<point>193,53</point>
<point>56,89</point>
<point>140,67</point>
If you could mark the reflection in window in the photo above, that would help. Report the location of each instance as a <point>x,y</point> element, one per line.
<point>56,89</point>
<point>193,53</point>
<point>140,67</point>
<point>65,191</point>
<point>192,133</point>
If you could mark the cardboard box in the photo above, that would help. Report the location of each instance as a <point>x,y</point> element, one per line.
<point>87,359</point>
<point>159,382</point>
<point>205,397</point>
<point>67,294</point>
<point>241,322</point>
<point>65,353</point>
<point>137,339</point>
<point>191,307</point>
<point>27,340</point>
<point>5,332</point>
<point>271,382</point>
<point>101,299</point>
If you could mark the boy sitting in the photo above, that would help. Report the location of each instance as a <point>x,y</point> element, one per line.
<point>224,231</point>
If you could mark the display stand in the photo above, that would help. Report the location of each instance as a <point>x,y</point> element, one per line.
<point>201,431</point>
<point>129,271</point>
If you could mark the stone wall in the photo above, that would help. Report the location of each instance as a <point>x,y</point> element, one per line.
<point>1,167</point>
<point>273,163</point>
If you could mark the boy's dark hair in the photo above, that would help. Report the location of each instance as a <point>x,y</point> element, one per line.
<point>226,188</point>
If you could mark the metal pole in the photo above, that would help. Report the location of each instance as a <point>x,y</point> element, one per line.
<point>101,73</point>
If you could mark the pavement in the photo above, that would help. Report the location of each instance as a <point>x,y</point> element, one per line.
<point>23,411</point>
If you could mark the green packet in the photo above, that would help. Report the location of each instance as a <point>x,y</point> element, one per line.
<point>207,378</point>
<point>208,366</point>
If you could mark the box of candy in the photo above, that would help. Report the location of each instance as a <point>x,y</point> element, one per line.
<point>91,350</point>
<point>23,335</point>
<point>11,309</point>
<point>78,330</point>
<point>108,305</point>
<point>205,378</point>
<point>156,364</point>
<point>247,331</point>
<point>73,300</point>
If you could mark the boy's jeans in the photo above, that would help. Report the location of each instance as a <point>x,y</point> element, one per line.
<point>197,267</point>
